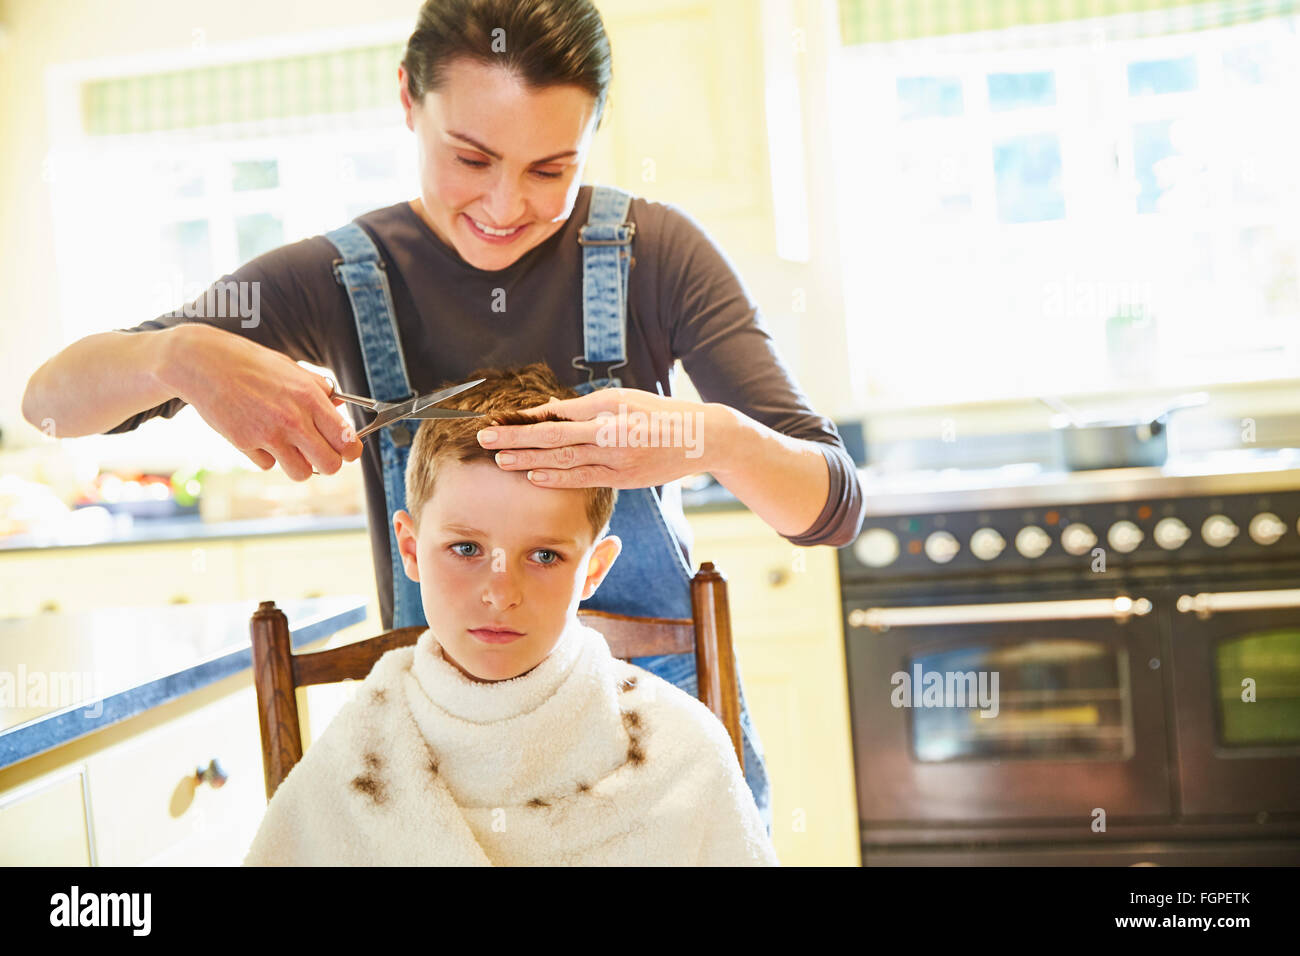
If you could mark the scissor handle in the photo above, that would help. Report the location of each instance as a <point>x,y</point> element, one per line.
<point>353,399</point>
<point>369,430</point>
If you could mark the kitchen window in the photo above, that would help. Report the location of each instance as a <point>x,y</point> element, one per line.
<point>209,167</point>
<point>218,206</point>
<point>1069,207</point>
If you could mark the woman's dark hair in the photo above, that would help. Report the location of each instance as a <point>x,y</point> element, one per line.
<point>543,42</point>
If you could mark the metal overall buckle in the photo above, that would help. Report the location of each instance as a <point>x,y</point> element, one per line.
<point>578,362</point>
<point>338,262</point>
<point>584,241</point>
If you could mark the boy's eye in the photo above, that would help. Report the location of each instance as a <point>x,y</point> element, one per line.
<point>550,558</point>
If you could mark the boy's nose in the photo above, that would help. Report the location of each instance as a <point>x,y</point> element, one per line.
<point>501,589</point>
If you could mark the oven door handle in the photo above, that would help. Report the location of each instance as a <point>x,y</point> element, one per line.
<point>1208,602</point>
<point>883,618</point>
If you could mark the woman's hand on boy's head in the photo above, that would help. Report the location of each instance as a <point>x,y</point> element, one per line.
<point>612,438</point>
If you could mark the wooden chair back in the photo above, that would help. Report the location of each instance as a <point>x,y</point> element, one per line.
<point>277,671</point>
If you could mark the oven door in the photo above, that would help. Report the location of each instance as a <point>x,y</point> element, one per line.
<point>1069,712</point>
<point>1236,674</point>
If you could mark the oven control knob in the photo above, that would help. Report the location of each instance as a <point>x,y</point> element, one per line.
<point>877,547</point>
<point>1078,539</point>
<point>986,544</point>
<point>1032,541</point>
<point>1171,534</point>
<point>1218,531</point>
<point>941,547</point>
<point>1124,536</point>
<point>1266,528</point>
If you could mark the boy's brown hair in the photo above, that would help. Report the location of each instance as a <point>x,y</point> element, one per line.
<point>505,392</point>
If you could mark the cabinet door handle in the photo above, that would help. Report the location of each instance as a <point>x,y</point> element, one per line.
<point>213,774</point>
<point>777,577</point>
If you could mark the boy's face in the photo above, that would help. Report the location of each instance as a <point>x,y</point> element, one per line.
<point>493,549</point>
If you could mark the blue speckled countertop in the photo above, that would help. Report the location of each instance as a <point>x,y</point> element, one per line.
<point>63,676</point>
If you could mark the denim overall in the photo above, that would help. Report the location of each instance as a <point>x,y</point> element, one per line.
<point>651,577</point>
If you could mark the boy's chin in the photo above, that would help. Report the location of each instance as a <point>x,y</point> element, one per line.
<point>491,665</point>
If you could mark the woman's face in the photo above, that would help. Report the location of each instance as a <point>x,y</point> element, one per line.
<point>495,154</point>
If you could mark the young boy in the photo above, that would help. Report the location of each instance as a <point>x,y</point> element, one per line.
<point>508,735</point>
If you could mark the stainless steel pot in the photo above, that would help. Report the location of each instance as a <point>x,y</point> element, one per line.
<point>1137,442</point>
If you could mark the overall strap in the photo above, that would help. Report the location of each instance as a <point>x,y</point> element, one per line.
<point>361,271</point>
<point>651,577</point>
<point>606,242</point>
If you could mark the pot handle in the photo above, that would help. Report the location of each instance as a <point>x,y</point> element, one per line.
<point>1057,404</point>
<point>1186,400</point>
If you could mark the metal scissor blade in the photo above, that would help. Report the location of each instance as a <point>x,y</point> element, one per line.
<point>447,413</point>
<point>424,401</point>
<point>395,415</point>
<point>421,407</point>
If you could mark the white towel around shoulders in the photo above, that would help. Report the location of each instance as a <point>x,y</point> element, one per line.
<point>585,760</point>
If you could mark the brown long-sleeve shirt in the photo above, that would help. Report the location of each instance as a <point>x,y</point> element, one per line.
<point>685,300</point>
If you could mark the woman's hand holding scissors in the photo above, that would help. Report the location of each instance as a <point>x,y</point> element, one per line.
<point>265,404</point>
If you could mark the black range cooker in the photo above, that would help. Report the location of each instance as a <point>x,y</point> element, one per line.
<point>1075,668</point>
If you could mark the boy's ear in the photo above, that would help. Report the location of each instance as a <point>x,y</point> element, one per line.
<point>603,556</point>
<point>404,527</point>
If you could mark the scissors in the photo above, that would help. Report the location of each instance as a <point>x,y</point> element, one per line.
<point>386,413</point>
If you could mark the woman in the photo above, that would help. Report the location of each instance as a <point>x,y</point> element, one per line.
<point>504,259</point>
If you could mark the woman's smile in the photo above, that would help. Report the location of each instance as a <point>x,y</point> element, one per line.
<point>496,237</point>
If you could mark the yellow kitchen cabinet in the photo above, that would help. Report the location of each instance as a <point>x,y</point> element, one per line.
<point>146,804</point>
<point>149,806</point>
<point>788,636</point>
<point>47,822</point>
<point>286,567</point>
<point>84,578</point>
<point>277,567</point>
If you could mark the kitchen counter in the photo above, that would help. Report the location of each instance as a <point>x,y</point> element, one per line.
<point>107,665</point>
